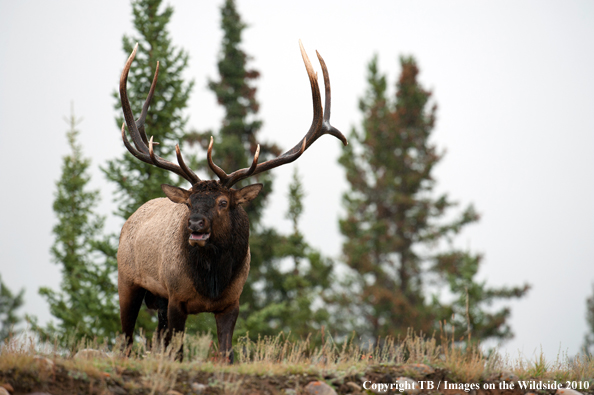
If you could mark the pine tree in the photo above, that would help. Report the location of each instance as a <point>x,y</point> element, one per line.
<point>296,285</point>
<point>394,223</point>
<point>85,306</point>
<point>9,304</point>
<point>236,141</point>
<point>138,182</point>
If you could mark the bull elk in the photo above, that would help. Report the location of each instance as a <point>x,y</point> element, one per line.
<point>189,253</point>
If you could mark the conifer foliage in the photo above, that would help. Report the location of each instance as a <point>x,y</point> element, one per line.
<point>236,141</point>
<point>9,304</point>
<point>85,305</point>
<point>397,237</point>
<point>296,284</point>
<point>138,182</point>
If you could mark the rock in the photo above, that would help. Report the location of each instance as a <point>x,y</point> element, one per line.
<point>319,388</point>
<point>173,392</point>
<point>89,353</point>
<point>198,388</point>
<point>354,386</point>
<point>39,393</point>
<point>408,385</point>
<point>567,391</point>
<point>290,392</point>
<point>7,387</point>
<point>419,368</point>
<point>4,391</point>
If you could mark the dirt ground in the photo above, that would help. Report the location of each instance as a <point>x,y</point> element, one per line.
<point>59,381</point>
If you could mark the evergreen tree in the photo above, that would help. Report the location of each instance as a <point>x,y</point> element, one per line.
<point>297,283</point>
<point>85,305</point>
<point>589,338</point>
<point>138,182</point>
<point>394,223</point>
<point>236,141</point>
<point>9,304</point>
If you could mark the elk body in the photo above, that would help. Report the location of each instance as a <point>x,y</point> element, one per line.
<point>189,253</point>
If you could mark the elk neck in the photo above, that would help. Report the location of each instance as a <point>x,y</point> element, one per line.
<point>214,266</point>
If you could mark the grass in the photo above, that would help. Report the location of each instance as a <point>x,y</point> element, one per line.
<point>153,370</point>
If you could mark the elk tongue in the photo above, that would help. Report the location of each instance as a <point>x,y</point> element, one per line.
<point>198,238</point>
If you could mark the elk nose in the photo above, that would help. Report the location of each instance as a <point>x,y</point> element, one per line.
<point>198,223</point>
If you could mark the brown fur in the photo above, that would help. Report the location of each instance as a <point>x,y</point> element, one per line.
<point>156,262</point>
<point>140,257</point>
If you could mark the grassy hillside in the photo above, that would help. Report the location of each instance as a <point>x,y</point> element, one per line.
<point>280,366</point>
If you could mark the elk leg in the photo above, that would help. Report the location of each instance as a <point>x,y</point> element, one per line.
<point>162,306</point>
<point>131,298</point>
<point>176,318</point>
<point>225,326</point>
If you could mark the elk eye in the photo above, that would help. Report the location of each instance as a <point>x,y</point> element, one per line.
<point>223,203</point>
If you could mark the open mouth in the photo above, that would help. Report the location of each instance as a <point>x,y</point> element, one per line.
<point>198,238</point>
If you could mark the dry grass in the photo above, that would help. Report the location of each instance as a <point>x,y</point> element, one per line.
<point>152,369</point>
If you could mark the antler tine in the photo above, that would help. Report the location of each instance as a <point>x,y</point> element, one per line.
<point>320,125</point>
<point>126,108</point>
<point>140,155</point>
<point>228,180</point>
<point>137,132</point>
<point>183,165</point>
<point>327,95</point>
<point>165,164</point>
<point>238,175</point>
<point>326,87</point>
<point>149,98</point>
<point>216,169</point>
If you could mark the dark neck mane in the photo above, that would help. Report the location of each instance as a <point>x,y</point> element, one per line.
<point>214,266</point>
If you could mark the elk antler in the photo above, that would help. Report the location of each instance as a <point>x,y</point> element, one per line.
<point>320,125</point>
<point>144,149</point>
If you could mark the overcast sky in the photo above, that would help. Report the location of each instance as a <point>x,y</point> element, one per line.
<point>513,81</point>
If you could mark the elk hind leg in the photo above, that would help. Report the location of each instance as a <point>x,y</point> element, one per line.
<point>162,307</point>
<point>155,302</point>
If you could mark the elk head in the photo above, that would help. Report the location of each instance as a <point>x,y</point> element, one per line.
<point>212,208</point>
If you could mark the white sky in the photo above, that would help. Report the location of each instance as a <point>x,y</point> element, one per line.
<point>513,81</point>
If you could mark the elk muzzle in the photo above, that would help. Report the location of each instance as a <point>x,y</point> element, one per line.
<point>199,227</point>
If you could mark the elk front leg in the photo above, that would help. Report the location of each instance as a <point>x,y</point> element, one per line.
<point>131,298</point>
<point>176,318</point>
<point>225,326</point>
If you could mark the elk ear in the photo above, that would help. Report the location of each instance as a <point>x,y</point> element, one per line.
<point>175,194</point>
<point>247,194</point>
